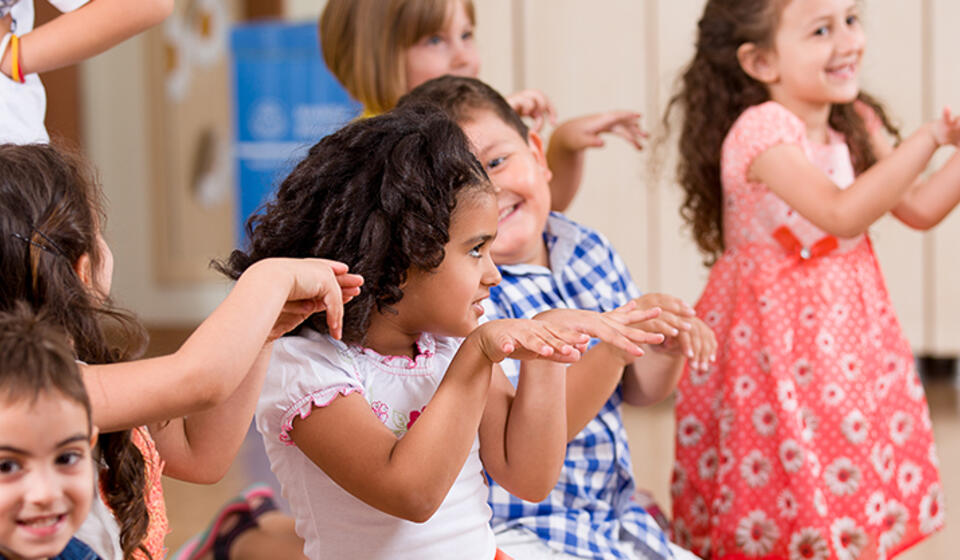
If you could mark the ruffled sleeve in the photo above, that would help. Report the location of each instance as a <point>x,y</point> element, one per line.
<point>304,373</point>
<point>758,129</point>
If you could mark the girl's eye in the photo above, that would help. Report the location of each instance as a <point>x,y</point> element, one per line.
<point>467,35</point>
<point>495,162</point>
<point>69,458</point>
<point>853,20</point>
<point>477,252</point>
<point>434,40</point>
<point>821,31</point>
<point>8,466</point>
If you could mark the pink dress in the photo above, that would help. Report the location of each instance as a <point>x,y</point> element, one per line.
<point>810,437</point>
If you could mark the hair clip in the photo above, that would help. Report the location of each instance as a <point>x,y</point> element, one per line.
<point>56,249</point>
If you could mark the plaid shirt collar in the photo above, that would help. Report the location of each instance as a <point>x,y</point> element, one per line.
<point>591,512</point>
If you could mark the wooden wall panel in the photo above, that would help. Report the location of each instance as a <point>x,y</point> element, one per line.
<point>589,57</point>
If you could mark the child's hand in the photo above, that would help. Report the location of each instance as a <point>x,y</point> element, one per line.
<point>946,129</point>
<point>534,104</point>
<point>317,285</point>
<point>527,339</point>
<point>685,333</point>
<point>586,132</point>
<point>616,327</point>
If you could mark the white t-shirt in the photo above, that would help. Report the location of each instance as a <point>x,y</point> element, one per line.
<point>24,106</point>
<point>311,371</point>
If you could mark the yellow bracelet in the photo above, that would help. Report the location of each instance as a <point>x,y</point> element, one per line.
<point>15,71</point>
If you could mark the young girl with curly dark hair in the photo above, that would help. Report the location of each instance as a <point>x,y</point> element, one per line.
<point>375,438</point>
<point>810,436</point>
<point>54,258</point>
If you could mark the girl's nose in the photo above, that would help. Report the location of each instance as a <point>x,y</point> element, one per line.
<point>42,487</point>
<point>464,55</point>
<point>491,275</point>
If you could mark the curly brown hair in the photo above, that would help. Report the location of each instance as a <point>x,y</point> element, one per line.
<point>51,213</point>
<point>714,90</point>
<point>377,195</point>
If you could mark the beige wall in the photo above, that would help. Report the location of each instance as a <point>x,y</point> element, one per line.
<point>588,56</point>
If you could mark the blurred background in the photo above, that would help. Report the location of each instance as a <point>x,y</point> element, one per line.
<point>193,122</point>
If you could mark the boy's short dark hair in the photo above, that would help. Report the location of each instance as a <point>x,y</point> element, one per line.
<point>459,97</point>
<point>36,358</point>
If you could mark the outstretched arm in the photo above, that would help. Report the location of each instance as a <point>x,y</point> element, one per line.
<point>409,477</point>
<point>85,32</point>
<point>273,295</point>
<point>848,212</point>
<point>568,143</point>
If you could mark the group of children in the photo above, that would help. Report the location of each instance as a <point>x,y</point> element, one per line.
<point>437,358</point>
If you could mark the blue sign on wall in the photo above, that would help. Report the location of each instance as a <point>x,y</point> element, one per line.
<point>285,100</point>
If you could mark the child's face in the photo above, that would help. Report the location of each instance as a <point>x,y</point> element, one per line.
<point>817,52</point>
<point>446,300</point>
<point>46,475</point>
<point>448,51</point>
<point>519,170</point>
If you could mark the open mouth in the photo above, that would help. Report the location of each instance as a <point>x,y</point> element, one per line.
<point>507,211</point>
<point>42,525</point>
<point>843,72</point>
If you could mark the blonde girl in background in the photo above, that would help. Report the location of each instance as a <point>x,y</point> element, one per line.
<point>184,414</point>
<point>382,49</point>
<point>87,28</point>
<point>810,437</point>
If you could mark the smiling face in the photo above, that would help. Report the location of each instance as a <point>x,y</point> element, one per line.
<point>451,50</point>
<point>446,300</point>
<point>816,56</point>
<point>518,169</point>
<point>46,475</point>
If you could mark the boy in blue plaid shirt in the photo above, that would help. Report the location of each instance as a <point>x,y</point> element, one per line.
<point>547,261</point>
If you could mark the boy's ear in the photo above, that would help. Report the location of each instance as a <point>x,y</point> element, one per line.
<point>84,269</point>
<point>536,145</point>
<point>758,63</point>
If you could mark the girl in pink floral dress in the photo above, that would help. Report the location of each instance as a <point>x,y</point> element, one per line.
<point>810,436</point>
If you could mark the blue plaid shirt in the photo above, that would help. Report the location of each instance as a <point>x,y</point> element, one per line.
<point>591,512</point>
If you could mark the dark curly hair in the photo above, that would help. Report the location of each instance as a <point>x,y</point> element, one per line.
<point>51,212</point>
<point>713,92</point>
<point>376,195</point>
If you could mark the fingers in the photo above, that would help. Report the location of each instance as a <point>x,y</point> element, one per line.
<point>333,305</point>
<point>535,105</point>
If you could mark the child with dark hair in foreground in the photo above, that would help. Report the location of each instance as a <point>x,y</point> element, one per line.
<point>380,440</point>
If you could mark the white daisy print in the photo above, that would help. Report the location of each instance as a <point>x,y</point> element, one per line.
<point>882,458</point>
<point>931,510</point>
<point>914,386</point>
<point>788,340</point>
<point>842,477</point>
<point>725,420</point>
<point>892,363</point>
<point>808,544</point>
<point>725,460</point>
<point>809,422</point>
<point>755,469</point>
<point>932,456</point>
<point>840,312</point>
<point>765,420</point>
<point>742,334</point>
<point>833,394</point>
<point>820,503</point>
<point>712,318</point>
<point>723,501</point>
<point>707,465</point>
<point>787,504</point>
<point>678,481</point>
<point>689,430</point>
<point>894,524</point>
<point>756,534</point>
<point>882,386</point>
<point>901,426</point>
<point>699,376</point>
<point>701,515</point>
<point>681,534</point>
<point>787,394</point>
<point>825,342</point>
<point>876,507</point>
<point>848,539</point>
<point>763,360</point>
<point>763,303</point>
<point>791,455</point>
<point>744,386</point>
<point>909,478</point>
<point>850,366</point>
<point>802,372</point>
<point>875,336</point>
<point>808,317</point>
<point>854,427</point>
